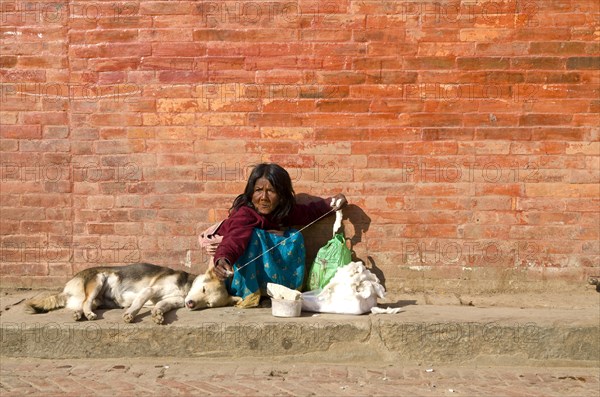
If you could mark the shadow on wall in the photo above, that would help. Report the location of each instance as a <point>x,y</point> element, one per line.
<point>317,235</point>
<point>361,222</point>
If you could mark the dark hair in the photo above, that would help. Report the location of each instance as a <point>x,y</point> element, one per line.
<point>280,179</point>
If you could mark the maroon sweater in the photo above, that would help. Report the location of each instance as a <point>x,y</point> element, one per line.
<point>237,229</point>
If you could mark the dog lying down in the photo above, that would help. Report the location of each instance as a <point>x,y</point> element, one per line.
<point>132,287</point>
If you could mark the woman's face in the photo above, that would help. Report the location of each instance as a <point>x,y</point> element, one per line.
<point>264,198</point>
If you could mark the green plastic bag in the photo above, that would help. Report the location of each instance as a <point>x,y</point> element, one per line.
<point>330,257</point>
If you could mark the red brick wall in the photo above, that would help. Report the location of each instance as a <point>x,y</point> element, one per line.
<point>465,133</point>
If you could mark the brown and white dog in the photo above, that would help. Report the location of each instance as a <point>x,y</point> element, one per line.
<point>208,291</point>
<point>132,287</point>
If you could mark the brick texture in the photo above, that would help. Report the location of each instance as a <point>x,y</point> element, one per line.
<point>165,376</point>
<point>465,134</point>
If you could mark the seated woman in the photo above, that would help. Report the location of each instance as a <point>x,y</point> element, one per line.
<point>257,245</point>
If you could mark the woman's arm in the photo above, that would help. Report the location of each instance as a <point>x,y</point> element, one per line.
<point>303,214</point>
<point>236,232</point>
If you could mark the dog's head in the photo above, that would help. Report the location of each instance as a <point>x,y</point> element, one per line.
<point>207,291</point>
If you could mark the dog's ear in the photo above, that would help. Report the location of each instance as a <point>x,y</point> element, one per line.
<point>211,273</point>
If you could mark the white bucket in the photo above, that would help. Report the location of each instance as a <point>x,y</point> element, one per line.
<point>286,308</point>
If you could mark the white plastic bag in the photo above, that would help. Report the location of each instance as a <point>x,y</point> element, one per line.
<point>352,290</point>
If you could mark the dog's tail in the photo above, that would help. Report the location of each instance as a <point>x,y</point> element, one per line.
<point>44,305</point>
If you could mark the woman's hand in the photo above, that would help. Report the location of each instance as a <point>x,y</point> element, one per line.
<point>211,244</point>
<point>338,201</point>
<point>223,269</point>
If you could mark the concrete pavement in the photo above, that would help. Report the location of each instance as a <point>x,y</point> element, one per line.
<point>426,350</point>
<point>421,334</point>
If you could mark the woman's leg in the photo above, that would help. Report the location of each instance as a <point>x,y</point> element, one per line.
<point>269,258</point>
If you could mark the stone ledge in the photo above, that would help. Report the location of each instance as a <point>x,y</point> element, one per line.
<point>420,334</point>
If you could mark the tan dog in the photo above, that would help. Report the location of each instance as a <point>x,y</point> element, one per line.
<point>132,287</point>
<point>208,291</point>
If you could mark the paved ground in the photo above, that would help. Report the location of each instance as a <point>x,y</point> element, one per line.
<point>256,354</point>
<point>179,377</point>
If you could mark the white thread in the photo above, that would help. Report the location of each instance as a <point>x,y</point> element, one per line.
<point>273,247</point>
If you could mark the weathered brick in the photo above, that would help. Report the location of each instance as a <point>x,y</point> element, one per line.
<point>343,105</point>
<point>179,49</point>
<point>563,48</point>
<point>290,107</point>
<point>8,61</point>
<point>341,78</point>
<point>411,110</point>
<point>549,63</point>
<point>110,35</point>
<point>544,119</point>
<point>52,227</point>
<point>165,8</point>
<point>101,228</point>
<point>592,63</point>
<point>21,131</point>
<point>483,63</point>
<point>484,35</point>
<point>430,63</point>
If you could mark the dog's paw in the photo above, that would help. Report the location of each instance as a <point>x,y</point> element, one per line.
<point>158,316</point>
<point>77,315</point>
<point>90,316</point>
<point>127,317</point>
